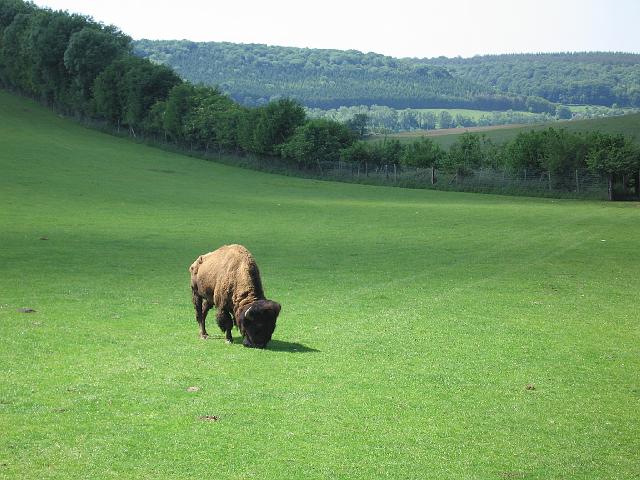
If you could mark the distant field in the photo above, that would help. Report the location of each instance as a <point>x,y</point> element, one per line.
<point>627,125</point>
<point>423,334</point>
<point>473,114</point>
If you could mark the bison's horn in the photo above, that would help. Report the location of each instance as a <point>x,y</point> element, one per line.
<point>246,313</point>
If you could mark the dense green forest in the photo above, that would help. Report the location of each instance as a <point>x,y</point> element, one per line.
<point>255,74</point>
<point>594,78</point>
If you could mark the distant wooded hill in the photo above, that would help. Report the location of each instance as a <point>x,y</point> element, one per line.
<point>594,78</point>
<point>254,74</point>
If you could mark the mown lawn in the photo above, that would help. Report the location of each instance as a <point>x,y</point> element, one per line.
<point>423,334</point>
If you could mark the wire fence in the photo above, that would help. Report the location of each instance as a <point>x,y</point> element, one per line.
<point>579,183</point>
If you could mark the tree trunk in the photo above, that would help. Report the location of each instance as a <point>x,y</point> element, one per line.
<point>549,173</point>
<point>577,182</point>
<point>395,173</point>
<point>433,175</point>
<point>638,184</point>
<point>610,187</point>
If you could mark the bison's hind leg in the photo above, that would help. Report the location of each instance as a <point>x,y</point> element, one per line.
<point>202,307</point>
<point>225,322</point>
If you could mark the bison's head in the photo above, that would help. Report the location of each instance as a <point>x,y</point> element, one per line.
<point>259,322</point>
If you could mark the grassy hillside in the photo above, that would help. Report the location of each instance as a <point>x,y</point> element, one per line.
<point>423,334</point>
<point>628,125</point>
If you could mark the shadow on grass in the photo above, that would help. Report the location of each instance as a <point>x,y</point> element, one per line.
<point>291,347</point>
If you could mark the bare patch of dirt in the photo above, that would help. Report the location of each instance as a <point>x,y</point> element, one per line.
<point>530,386</point>
<point>193,389</point>
<point>26,310</point>
<point>209,418</point>
<point>512,475</point>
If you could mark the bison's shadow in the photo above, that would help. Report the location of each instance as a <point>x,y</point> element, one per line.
<point>291,347</point>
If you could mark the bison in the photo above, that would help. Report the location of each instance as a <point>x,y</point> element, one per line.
<point>228,278</point>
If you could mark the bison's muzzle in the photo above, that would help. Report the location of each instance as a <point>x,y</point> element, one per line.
<point>258,323</point>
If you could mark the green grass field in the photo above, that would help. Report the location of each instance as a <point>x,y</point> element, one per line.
<point>473,114</point>
<point>628,125</point>
<point>423,334</point>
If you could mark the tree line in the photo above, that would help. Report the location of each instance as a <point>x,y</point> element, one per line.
<point>86,69</point>
<point>552,154</point>
<point>380,119</point>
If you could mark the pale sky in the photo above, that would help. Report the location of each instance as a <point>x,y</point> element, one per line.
<point>401,28</point>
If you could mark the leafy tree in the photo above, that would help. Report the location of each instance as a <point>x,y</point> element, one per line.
<point>423,153</point>
<point>16,56</point>
<point>392,151</point>
<point>275,123</point>
<point>563,113</point>
<point>10,8</point>
<point>465,155</point>
<point>445,120</point>
<point>109,93</point>
<point>462,121</point>
<point>613,155</point>
<point>526,151</point>
<point>128,88</point>
<point>428,121</point>
<point>213,121</point>
<point>49,38</point>
<point>177,107</point>
<point>358,153</point>
<point>317,141</point>
<point>89,52</point>
<point>358,124</point>
<point>144,84</point>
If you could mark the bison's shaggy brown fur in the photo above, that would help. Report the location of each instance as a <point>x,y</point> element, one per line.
<point>228,278</point>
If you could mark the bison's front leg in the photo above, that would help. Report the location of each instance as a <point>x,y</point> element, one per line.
<point>201,314</point>
<point>225,322</point>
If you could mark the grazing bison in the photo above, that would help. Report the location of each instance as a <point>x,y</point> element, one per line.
<point>228,278</point>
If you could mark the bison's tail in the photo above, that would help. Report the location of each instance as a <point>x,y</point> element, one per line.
<point>196,265</point>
